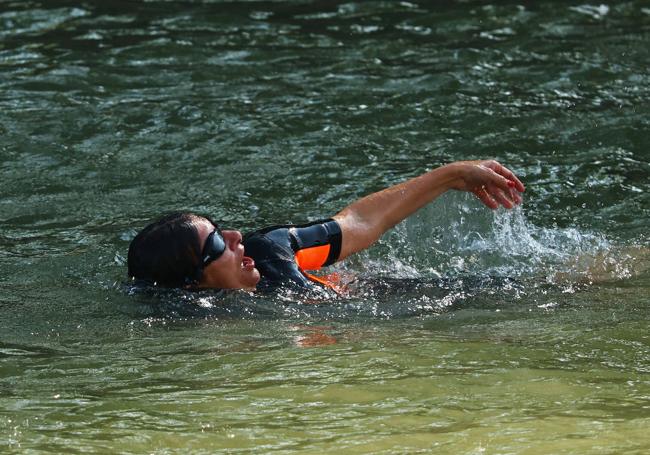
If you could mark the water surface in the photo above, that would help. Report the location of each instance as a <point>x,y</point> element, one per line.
<point>467,331</point>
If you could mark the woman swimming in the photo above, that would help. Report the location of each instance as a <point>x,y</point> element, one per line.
<point>187,250</point>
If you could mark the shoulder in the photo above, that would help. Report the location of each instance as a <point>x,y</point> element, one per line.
<point>297,236</point>
<point>272,250</point>
<point>285,241</point>
<point>268,242</point>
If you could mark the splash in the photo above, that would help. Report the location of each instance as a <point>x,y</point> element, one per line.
<point>521,247</point>
<point>457,237</point>
<point>564,256</point>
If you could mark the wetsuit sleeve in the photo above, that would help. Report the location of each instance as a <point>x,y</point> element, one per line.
<point>316,244</point>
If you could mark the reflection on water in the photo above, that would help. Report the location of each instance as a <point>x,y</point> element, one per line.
<point>463,331</point>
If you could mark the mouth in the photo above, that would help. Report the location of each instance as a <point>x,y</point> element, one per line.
<point>247,263</point>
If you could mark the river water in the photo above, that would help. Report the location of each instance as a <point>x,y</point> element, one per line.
<point>467,331</point>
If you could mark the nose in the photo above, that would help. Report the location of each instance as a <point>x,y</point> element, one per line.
<point>232,238</point>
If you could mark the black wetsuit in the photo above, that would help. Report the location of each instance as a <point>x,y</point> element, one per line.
<point>283,254</point>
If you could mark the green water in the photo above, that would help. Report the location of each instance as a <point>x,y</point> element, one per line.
<point>468,332</point>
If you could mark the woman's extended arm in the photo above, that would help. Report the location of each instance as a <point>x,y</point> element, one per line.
<point>364,221</point>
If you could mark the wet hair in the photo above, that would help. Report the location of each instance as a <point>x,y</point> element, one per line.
<point>167,252</point>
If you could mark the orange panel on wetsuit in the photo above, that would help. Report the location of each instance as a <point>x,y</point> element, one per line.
<point>312,258</point>
<point>332,281</point>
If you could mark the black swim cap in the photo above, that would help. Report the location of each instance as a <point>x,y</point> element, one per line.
<point>167,252</point>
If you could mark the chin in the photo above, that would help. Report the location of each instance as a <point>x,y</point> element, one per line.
<point>251,279</point>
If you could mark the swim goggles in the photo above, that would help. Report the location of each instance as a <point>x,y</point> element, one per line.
<point>213,248</point>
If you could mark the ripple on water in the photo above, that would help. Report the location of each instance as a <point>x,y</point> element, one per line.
<point>465,331</point>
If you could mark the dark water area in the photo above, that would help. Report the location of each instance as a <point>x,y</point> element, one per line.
<point>465,330</point>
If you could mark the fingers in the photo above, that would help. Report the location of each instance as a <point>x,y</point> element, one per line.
<point>515,196</point>
<point>493,196</point>
<point>508,175</point>
<point>485,197</point>
<point>501,182</point>
<point>494,184</point>
<point>501,197</point>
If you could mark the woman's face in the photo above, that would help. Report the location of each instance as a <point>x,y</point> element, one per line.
<point>232,270</point>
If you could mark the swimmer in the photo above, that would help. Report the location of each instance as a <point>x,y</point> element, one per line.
<point>185,250</point>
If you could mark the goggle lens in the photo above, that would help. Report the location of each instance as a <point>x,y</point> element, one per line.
<point>214,247</point>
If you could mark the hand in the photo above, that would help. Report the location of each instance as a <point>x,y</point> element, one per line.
<point>491,182</point>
